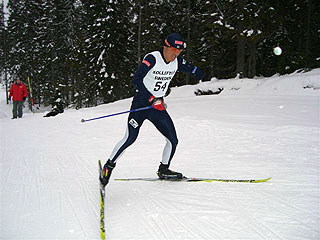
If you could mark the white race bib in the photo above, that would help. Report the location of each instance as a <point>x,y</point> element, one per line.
<point>159,77</point>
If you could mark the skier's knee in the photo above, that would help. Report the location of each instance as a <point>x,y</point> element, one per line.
<point>174,142</point>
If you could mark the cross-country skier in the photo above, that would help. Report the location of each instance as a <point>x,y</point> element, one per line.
<point>19,93</point>
<point>151,82</point>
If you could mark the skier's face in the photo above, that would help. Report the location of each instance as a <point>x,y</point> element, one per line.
<point>171,53</point>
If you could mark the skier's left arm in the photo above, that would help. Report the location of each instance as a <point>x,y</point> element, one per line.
<point>185,66</point>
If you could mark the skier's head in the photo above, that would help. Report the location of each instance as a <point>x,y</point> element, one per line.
<point>175,40</point>
<point>173,46</point>
<point>18,81</point>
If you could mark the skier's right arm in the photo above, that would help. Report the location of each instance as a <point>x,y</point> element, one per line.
<point>147,63</point>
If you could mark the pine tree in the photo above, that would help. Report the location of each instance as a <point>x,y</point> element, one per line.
<point>86,51</point>
<point>4,50</point>
<point>109,50</point>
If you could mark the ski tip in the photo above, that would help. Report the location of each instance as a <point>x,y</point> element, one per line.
<point>100,164</point>
<point>82,120</point>
<point>261,180</point>
<point>267,179</point>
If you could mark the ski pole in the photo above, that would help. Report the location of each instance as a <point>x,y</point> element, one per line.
<point>114,114</point>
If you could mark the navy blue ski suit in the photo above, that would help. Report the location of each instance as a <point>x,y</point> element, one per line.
<point>161,119</point>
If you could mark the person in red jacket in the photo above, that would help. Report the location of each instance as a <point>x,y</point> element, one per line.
<point>19,93</point>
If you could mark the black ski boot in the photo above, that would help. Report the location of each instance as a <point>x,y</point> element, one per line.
<point>165,173</point>
<point>106,172</point>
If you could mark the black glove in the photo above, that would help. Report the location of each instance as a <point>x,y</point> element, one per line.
<point>9,98</point>
<point>199,73</point>
<point>24,98</point>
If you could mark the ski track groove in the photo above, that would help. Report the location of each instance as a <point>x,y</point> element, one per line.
<point>120,206</point>
<point>19,206</point>
<point>164,208</point>
<point>25,188</point>
<point>159,229</point>
<point>147,220</point>
<point>220,204</point>
<point>165,205</point>
<point>285,203</point>
<point>92,200</point>
<point>251,219</point>
<point>280,200</point>
<point>5,173</point>
<point>209,223</point>
<point>66,192</point>
<point>38,177</point>
<point>76,214</point>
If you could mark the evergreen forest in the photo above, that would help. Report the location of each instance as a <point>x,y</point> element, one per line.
<point>86,51</point>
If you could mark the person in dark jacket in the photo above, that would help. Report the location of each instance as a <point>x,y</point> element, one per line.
<point>57,105</point>
<point>18,93</point>
<point>151,82</point>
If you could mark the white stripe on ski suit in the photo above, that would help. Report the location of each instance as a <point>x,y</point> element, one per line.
<point>118,146</point>
<point>166,152</point>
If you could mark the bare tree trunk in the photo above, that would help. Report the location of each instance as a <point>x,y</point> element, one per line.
<point>139,33</point>
<point>241,43</point>
<point>240,56</point>
<point>252,59</point>
<point>5,50</point>
<point>188,41</point>
<point>307,52</point>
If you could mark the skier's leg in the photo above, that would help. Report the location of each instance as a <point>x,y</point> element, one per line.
<point>129,138</point>
<point>164,124</point>
<point>135,121</point>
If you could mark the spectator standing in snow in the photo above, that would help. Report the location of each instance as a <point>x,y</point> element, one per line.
<point>151,82</point>
<point>19,93</point>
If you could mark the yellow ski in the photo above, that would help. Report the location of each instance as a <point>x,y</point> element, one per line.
<point>187,179</point>
<point>102,195</point>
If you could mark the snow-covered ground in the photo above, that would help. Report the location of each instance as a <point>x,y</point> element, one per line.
<point>256,128</point>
